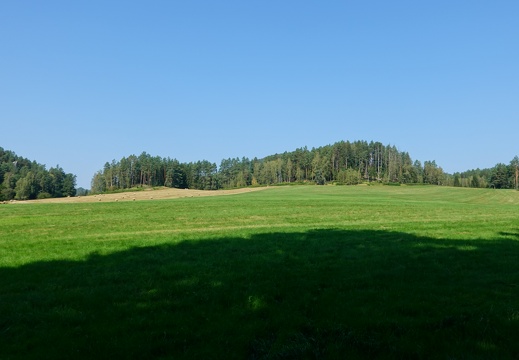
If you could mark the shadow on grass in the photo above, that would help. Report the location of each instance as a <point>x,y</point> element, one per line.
<point>319,294</point>
<point>511,234</point>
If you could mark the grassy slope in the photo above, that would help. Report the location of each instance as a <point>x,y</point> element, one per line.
<point>295,272</point>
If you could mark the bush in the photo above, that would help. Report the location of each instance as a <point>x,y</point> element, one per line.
<point>7,194</point>
<point>44,195</point>
<point>390,183</point>
<point>349,177</point>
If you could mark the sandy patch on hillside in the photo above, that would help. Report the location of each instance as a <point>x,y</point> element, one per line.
<point>148,194</point>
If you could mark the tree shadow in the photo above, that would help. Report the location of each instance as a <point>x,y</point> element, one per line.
<point>318,294</point>
<point>510,234</point>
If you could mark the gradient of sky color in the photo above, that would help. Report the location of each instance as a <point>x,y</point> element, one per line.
<point>85,82</point>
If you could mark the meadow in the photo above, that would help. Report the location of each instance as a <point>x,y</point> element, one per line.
<point>303,272</point>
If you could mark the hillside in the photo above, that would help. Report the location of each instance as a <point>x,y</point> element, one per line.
<point>342,163</point>
<point>146,194</point>
<point>23,179</point>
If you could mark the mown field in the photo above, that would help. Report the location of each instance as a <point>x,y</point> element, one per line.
<point>315,272</point>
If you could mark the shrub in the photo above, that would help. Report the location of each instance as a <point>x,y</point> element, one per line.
<point>44,195</point>
<point>391,183</point>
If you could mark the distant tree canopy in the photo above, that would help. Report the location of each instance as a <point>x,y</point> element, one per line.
<point>22,179</point>
<point>344,162</point>
<point>501,176</point>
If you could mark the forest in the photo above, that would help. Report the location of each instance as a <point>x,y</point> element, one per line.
<point>343,163</point>
<point>22,179</point>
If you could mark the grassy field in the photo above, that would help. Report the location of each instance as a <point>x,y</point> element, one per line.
<point>287,273</point>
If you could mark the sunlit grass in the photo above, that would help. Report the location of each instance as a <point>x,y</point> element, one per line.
<point>293,272</point>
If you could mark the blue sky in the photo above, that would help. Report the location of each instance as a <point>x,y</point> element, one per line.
<point>85,82</point>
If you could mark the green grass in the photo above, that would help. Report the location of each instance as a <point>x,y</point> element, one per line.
<point>287,273</point>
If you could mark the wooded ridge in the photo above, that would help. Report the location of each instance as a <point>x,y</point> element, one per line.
<point>22,179</point>
<point>343,163</point>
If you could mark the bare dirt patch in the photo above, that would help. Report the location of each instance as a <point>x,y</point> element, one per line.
<point>148,194</point>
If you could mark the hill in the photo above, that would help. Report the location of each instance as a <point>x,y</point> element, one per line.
<point>342,163</point>
<point>23,179</point>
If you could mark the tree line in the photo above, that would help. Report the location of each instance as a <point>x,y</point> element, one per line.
<point>501,176</point>
<point>22,179</point>
<point>342,163</point>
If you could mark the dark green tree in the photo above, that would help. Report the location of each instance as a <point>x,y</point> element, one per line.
<point>474,182</point>
<point>457,182</point>
<point>499,177</point>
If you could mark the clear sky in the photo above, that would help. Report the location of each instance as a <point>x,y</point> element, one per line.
<point>85,82</point>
